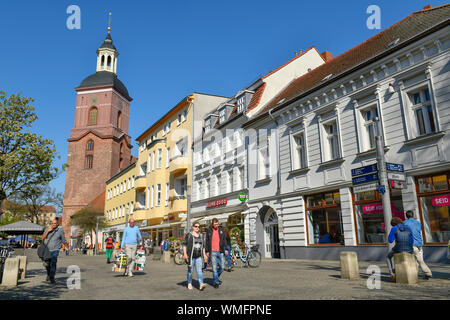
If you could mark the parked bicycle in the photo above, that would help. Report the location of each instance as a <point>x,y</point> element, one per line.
<point>251,256</point>
<point>178,256</point>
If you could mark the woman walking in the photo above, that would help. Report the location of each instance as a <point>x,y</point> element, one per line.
<point>193,253</point>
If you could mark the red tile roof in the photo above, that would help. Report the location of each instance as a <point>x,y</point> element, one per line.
<point>256,97</point>
<point>406,29</point>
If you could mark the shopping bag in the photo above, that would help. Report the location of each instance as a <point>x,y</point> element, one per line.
<point>139,262</point>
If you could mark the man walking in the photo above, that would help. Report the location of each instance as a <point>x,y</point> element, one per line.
<point>416,228</point>
<point>403,242</point>
<point>109,247</point>
<point>131,237</point>
<point>55,239</point>
<point>216,244</point>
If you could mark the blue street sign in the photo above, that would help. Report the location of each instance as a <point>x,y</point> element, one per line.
<point>381,189</point>
<point>364,170</point>
<point>367,178</point>
<point>395,167</point>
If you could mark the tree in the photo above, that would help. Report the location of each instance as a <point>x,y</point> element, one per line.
<point>86,220</point>
<point>36,198</point>
<point>25,158</point>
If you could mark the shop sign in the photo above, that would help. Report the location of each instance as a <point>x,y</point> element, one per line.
<point>171,217</point>
<point>217,203</point>
<point>377,208</point>
<point>182,214</point>
<point>441,201</point>
<point>242,197</point>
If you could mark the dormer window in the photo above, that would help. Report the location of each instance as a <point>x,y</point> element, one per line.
<point>241,104</point>
<point>222,116</point>
<point>207,125</point>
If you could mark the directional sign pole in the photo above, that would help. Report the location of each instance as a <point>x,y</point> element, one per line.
<point>385,197</point>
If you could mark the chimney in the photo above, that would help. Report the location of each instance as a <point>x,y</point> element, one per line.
<point>429,6</point>
<point>327,56</point>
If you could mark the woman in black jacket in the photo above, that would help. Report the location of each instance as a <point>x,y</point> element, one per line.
<point>193,253</point>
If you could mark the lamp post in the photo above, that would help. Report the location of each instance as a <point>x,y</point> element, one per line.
<point>384,184</point>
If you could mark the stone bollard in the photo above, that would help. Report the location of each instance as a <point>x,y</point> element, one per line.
<point>22,267</point>
<point>349,265</point>
<point>405,268</point>
<point>11,272</point>
<point>166,257</point>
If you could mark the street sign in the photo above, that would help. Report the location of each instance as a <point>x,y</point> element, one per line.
<point>364,170</point>
<point>395,184</point>
<point>381,189</point>
<point>395,167</point>
<point>396,176</point>
<point>365,187</point>
<point>366,178</point>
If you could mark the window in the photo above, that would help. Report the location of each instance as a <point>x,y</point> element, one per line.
<point>149,162</point>
<point>158,195</point>
<point>132,182</point>
<point>153,161</point>
<point>434,200</point>
<point>423,111</point>
<point>184,115</point>
<point>199,190</point>
<point>230,181</point>
<point>152,195</point>
<point>331,140</point>
<point>129,183</point>
<point>167,157</point>
<point>324,221</point>
<point>241,178</point>
<point>183,184</point>
<point>181,147</point>
<point>90,145</point>
<point>241,104</point>
<point>119,120</point>
<point>159,163</point>
<point>263,156</point>
<point>299,154</point>
<point>207,186</point>
<point>218,184</point>
<point>207,125</point>
<point>369,128</point>
<point>164,130</point>
<point>92,116</point>
<point>167,194</point>
<point>89,161</point>
<point>132,207</point>
<point>168,127</point>
<point>222,116</point>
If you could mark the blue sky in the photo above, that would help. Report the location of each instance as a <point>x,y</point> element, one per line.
<point>168,49</point>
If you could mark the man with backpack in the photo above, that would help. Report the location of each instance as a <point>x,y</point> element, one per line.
<point>404,240</point>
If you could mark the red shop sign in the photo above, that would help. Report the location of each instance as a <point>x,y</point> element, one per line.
<point>378,208</point>
<point>217,203</point>
<point>441,201</point>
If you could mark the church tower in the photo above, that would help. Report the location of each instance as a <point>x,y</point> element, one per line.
<point>99,144</point>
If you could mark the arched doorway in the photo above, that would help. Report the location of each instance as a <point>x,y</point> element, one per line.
<point>271,235</point>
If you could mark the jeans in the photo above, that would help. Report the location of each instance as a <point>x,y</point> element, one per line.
<point>217,263</point>
<point>229,256</point>
<point>390,262</point>
<point>197,264</point>
<point>50,264</point>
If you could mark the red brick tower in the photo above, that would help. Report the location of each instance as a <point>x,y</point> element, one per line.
<point>99,144</point>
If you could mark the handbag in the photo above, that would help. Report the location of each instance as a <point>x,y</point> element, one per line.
<point>43,252</point>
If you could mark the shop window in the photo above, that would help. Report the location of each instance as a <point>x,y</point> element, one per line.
<point>324,219</point>
<point>369,215</point>
<point>434,201</point>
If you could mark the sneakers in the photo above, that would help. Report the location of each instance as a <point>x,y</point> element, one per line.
<point>216,285</point>
<point>202,287</point>
<point>190,286</point>
<point>52,281</point>
<point>426,277</point>
<point>130,274</point>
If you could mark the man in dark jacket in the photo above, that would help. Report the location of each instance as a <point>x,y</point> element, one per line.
<point>216,246</point>
<point>404,240</point>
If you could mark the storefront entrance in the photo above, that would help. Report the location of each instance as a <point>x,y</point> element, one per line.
<point>272,240</point>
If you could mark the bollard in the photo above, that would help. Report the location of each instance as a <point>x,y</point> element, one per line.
<point>22,267</point>
<point>166,257</point>
<point>349,265</point>
<point>11,272</point>
<point>405,268</point>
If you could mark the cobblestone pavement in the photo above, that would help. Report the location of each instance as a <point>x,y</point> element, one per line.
<point>273,280</point>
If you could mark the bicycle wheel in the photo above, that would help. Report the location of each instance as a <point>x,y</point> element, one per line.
<point>178,258</point>
<point>254,259</point>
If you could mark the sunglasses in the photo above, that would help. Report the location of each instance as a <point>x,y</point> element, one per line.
<point>196,226</point>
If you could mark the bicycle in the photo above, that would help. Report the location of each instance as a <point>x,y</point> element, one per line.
<point>178,256</point>
<point>251,257</point>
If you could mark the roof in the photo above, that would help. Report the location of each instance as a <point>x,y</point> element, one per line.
<point>98,203</point>
<point>102,78</point>
<point>411,26</point>
<point>22,227</point>
<point>108,43</point>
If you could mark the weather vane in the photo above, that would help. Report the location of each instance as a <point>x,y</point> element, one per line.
<point>109,23</point>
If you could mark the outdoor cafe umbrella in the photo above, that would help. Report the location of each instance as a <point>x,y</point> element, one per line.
<point>22,228</point>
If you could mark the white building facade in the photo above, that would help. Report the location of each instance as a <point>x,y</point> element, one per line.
<point>322,127</point>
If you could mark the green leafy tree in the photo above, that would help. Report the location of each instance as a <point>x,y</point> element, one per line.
<point>25,158</point>
<point>86,220</point>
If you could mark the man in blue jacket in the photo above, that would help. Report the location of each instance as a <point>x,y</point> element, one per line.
<point>416,228</point>
<point>404,240</point>
<point>130,239</point>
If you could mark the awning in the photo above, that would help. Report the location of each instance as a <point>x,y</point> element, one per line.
<point>221,217</point>
<point>161,226</point>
